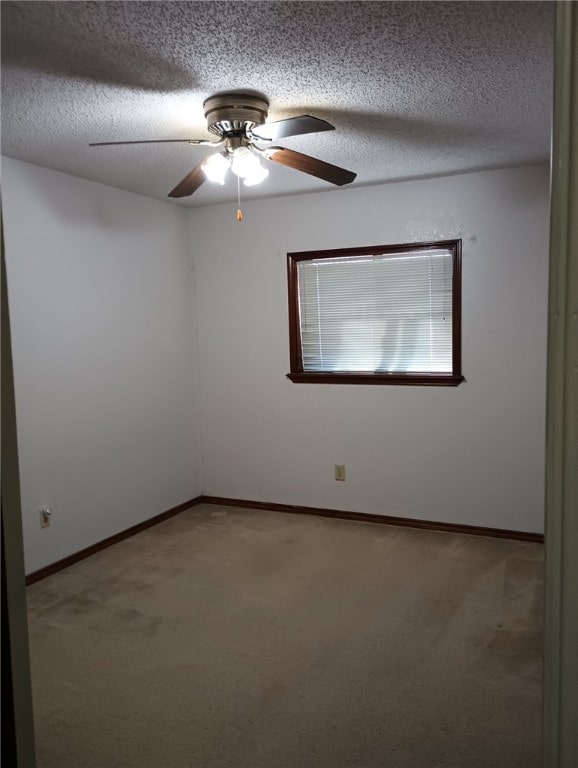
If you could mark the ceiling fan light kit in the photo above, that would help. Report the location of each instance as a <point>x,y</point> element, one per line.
<point>242,162</point>
<point>238,121</point>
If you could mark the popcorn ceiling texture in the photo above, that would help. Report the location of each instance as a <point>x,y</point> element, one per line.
<point>413,88</point>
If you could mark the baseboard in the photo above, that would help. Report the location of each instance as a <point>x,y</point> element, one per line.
<point>360,517</point>
<point>59,565</point>
<point>363,517</point>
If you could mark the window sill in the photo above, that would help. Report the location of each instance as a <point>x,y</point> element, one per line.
<point>416,380</point>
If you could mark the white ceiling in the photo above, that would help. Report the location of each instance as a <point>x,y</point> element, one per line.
<point>413,88</point>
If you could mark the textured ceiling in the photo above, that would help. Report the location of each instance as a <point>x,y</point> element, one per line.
<point>413,88</point>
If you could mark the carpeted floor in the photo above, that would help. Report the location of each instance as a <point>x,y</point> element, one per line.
<point>234,638</point>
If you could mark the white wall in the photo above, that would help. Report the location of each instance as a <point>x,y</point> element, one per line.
<point>473,454</point>
<point>103,342</point>
<point>106,360</point>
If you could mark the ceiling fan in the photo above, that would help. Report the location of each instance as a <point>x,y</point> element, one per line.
<point>244,138</point>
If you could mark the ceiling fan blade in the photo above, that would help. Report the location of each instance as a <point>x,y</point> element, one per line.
<point>310,165</point>
<point>293,126</point>
<point>190,183</point>
<point>154,141</point>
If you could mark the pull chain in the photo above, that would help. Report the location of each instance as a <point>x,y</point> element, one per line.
<point>239,211</point>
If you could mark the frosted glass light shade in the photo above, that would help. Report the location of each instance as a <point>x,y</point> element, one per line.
<point>215,168</point>
<point>244,162</point>
<point>248,166</point>
<point>256,176</point>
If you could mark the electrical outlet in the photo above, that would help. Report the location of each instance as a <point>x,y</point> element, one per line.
<point>340,471</point>
<point>45,515</point>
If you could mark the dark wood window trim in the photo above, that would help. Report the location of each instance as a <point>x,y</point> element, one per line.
<point>298,375</point>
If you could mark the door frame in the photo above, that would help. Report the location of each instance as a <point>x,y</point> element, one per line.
<point>561,534</point>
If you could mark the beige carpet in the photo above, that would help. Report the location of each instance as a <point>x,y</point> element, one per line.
<point>233,638</point>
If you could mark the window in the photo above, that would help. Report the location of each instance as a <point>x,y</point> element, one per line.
<point>389,314</point>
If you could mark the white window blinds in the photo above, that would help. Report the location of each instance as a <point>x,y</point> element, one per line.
<point>379,313</point>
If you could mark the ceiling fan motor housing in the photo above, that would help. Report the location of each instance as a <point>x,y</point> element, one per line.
<point>234,112</point>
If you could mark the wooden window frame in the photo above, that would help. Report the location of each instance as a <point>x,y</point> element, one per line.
<point>298,375</point>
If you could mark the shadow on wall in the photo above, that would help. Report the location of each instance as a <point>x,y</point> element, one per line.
<point>101,209</point>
